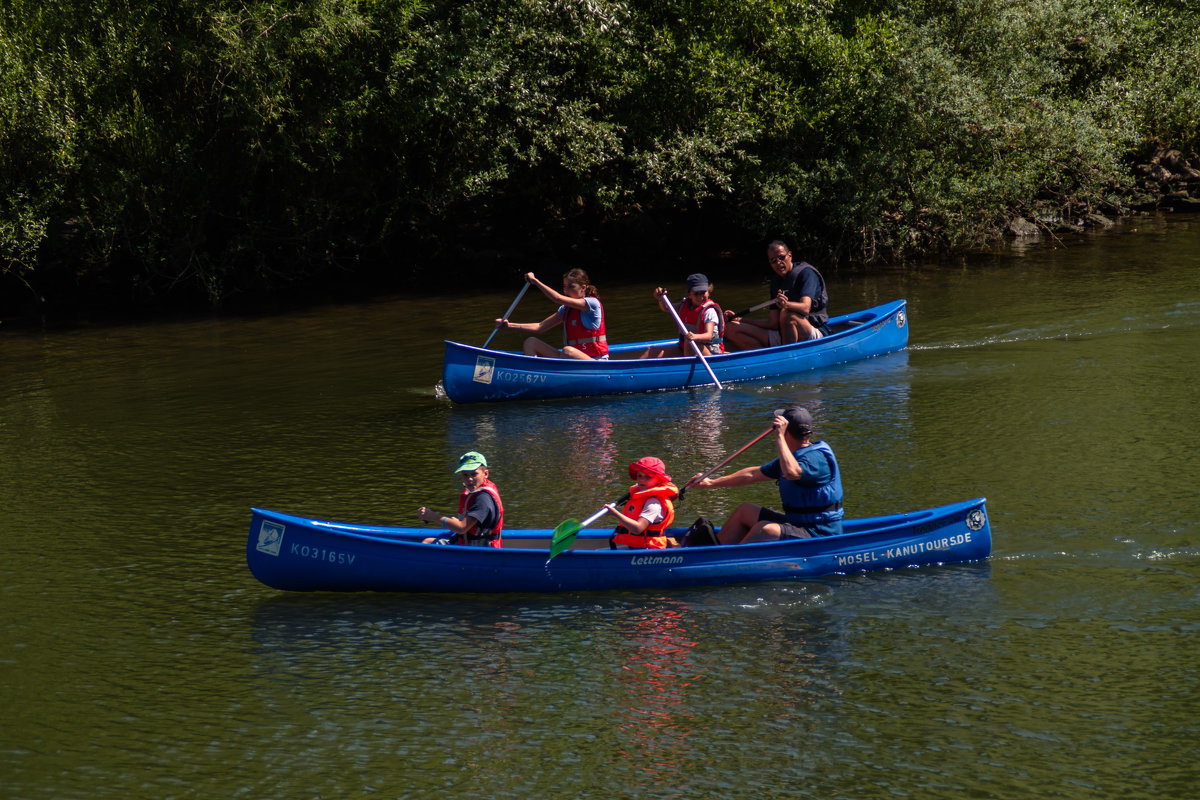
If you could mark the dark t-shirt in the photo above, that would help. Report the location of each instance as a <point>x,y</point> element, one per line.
<point>803,281</point>
<point>483,510</point>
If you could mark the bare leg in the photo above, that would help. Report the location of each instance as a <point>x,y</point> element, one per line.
<point>743,518</point>
<point>536,347</point>
<point>794,328</point>
<point>662,352</point>
<point>745,337</point>
<point>574,352</point>
<point>762,532</point>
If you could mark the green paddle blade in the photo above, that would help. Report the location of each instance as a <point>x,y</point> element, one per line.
<point>564,534</point>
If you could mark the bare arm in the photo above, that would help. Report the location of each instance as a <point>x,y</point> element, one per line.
<point>788,466</point>
<point>638,525</point>
<point>579,303</point>
<point>455,524</point>
<point>535,328</point>
<point>743,477</point>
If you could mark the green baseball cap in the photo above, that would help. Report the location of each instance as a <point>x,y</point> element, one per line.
<point>470,461</point>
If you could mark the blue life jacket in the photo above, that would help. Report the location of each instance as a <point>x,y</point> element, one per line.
<point>813,505</point>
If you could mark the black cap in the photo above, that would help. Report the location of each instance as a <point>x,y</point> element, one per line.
<point>697,282</point>
<point>800,422</point>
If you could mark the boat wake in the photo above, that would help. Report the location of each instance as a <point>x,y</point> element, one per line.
<point>1182,315</point>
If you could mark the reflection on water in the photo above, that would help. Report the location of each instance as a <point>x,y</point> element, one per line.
<point>142,659</point>
<point>654,723</point>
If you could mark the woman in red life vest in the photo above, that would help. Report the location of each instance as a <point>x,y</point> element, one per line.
<point>703,318</point>
<point>580,314</point>
<point>649,511</point>
<point>480,519</point>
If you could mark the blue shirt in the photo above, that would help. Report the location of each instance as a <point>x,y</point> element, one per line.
<point>590,316</point>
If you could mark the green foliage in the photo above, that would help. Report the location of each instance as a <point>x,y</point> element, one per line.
<point>205,147</point>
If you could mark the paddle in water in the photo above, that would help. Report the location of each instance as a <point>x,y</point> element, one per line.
<point>684,332</point>
<point>566,531</point>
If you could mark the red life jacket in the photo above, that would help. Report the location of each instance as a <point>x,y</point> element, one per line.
<point>691,318</point>
<point>474,536</point>
<point>575,334</point>
<point>652,538</point>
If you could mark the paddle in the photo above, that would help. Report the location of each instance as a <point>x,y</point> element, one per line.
<point>508,313</point>
<point>727,459</point>
<point>752,309</point>
<point>684,331</point>
<point>566,531</point>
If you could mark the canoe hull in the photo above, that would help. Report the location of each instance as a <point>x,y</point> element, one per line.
<point>475,375</point>
<point>297,554</point>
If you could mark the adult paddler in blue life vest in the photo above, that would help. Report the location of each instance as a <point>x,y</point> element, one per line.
<point>579,312</point>
<point>480,519</point>
<point>649,511</point>
<point>810,487</point>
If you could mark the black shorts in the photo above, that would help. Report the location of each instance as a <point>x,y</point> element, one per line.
<point>787,530</point>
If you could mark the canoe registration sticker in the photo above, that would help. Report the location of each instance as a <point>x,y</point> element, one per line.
<point>484,367</point>
<point>270,538</point>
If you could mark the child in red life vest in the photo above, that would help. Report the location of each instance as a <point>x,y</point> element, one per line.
<point>480,519</point>
<point>649,511</point>
<point>703,318</point>
<point>580,313</point>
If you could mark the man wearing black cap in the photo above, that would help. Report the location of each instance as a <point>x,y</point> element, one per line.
<point>810,487</point>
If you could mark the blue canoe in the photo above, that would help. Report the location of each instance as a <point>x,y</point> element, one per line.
<point>475,374</point>
<point>296,554</point>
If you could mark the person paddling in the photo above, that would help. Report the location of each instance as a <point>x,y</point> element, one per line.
<point>579,312</point>
<point>801,303</point>
<point>810,487</point>
<point>703,318</point>
<point>480,519</point>
<point>649,511</point>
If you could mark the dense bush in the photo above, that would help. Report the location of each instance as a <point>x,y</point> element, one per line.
<point>196,149</point>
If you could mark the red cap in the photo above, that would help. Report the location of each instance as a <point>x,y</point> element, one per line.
<point>651,466</point>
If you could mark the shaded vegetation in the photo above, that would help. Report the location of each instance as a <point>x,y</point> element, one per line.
<point>199,149</point>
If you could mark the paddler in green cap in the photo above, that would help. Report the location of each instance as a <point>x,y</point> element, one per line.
<point>480,518</point>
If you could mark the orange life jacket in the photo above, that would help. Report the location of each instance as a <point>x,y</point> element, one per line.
<point>652,538</point>
<point>475,536</point>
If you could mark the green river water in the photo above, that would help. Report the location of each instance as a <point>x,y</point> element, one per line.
<point>140,659</point>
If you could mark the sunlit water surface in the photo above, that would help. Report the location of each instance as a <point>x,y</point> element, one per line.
<point>141,659</point>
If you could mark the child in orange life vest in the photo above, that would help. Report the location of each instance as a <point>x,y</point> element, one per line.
<point>703,318</point>
<point>480,519</point>
<point>649,510</point>
<point>580,313</point>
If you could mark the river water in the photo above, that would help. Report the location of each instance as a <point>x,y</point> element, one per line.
<point>141,659</point>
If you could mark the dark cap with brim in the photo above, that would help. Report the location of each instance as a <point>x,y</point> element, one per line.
<point>800,422</point>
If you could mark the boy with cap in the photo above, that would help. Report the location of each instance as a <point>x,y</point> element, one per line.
<point>810,487</point>
<point>480,517</point>
<point>703,318</point>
